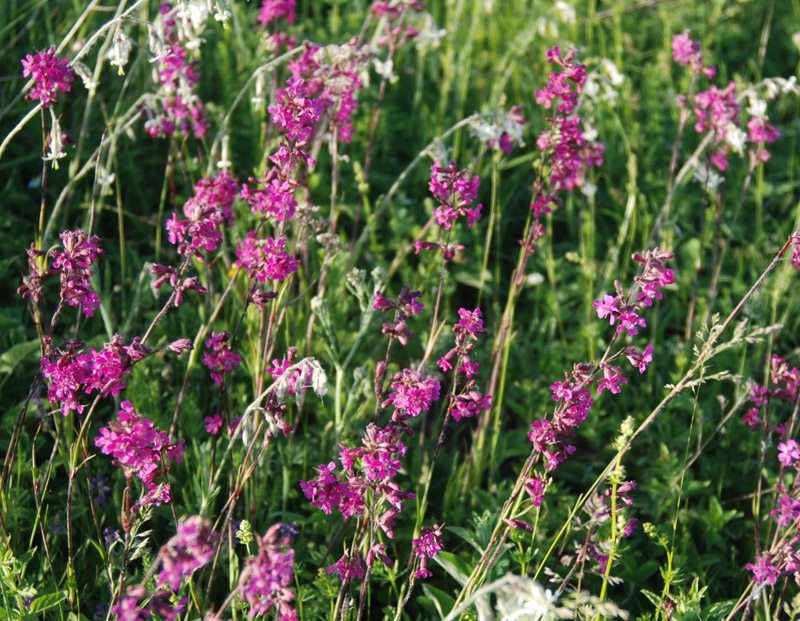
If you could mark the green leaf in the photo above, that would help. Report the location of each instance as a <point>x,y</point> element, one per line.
<point>466,535</point>
<point>654,599</point>
<point>47,601</point>
<point>443,602</point>
<point>11,358</point>
<point>454,566</point>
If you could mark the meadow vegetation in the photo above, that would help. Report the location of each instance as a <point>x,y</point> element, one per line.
<point>463,309</point>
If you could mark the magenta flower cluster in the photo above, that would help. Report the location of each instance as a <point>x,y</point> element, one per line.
<point>265,579</point>
<point>411,395</point>
<point>269,13</point>
<point>273,198</point>
<point>333,85</point>
<point>220,359</point>
<point>365,478</point>
<point>783,557</point>
<point>467,402</point>
<point>406,306</point>
<point>73,263</point>
<point>687,53</point>
<point>166,274</point>
<point>51,75</point>
<point>552,438</point>
<point>126,608</point>
<point>140,449</point>
<point>179,108</point>
<point>72,371</point>
<point>455,190</point>
<point>717,110</point>
<point>570,153</point>
<point>205,212</point>
<point>189,550</point>
<point>265,259</point>
<point>783,385</point>
<point>427,546</point>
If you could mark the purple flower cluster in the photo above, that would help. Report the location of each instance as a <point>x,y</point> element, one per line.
<point>621,310</point>
<point>126,608</point>
<point>73,263</point>
<point>370,467</point>
<point>265,259</point>
<point>411,395</point>
<point>393,10</point>
<point>220,359</point>
<point>467,402</point>
<point>783,385</point>
<point>273,10</point>
<point>427,546</point>
<point>406,306</point>
<point>72,371</point>
<point>205,212</point>
<point>190,549</point>
<point>563,142</point>
<point>570,152</point>
<point>332,78</point>
<point>51,75</point>
<point>265,578</point>
<point>552,438</point>
<point>140,448</point>
<point>273,197</point>
<point>163,274</point>
<point>718,110</point>
<point>687,53</point>
<point>760,132</point>
<point>178,106</point>
<point>455,191</point>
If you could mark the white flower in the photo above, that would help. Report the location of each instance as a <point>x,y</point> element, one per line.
<point>757,107</point>
<point>615,77</point>
<point>735,137</point>
<point>85,75</point>
<point>385,69</point>
<point>708,178</point>
<point>566,12</point>
<point>429,37</point>
<point>120,51</point>
<point>589,133</point>
<point>55,145</point>
<point>588,189</point>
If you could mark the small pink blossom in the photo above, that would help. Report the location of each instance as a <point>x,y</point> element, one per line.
<point>788,452</point>
<point>608,307</point>
<point>213,424</point>
<point>51,75</point>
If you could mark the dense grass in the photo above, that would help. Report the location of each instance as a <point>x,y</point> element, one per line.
<point>706,482</point>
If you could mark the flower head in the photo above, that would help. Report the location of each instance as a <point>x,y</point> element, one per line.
<point>52,75</point>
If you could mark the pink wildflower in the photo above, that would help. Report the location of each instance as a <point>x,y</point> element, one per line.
<point>764,572</point>
<point>221,358</point>
<point>138,446</point>
<point>265,579</point>
<point>347,567</point>
<point>51,75</point>
<point>608,307</point>
<point>427,546</point>
<point>190,549</point>
<point>213,424</point>
<point>265,259</point>
<point>788,452</point>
